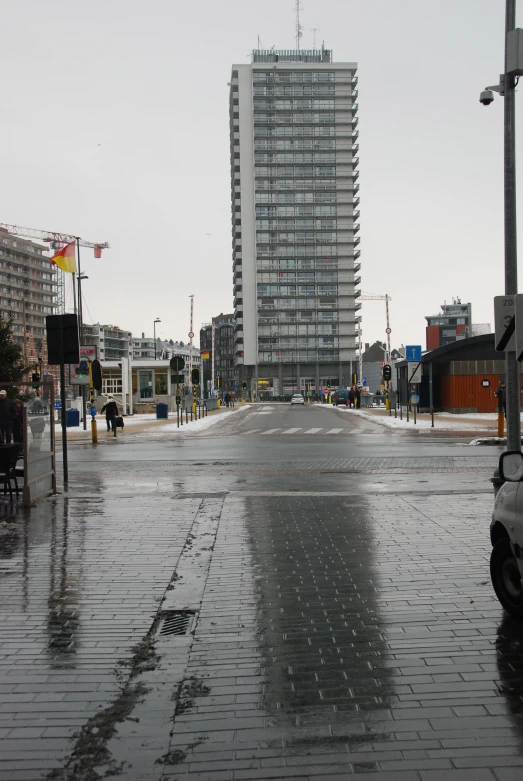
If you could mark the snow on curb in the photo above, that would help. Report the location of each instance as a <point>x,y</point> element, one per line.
<point>198,425</point>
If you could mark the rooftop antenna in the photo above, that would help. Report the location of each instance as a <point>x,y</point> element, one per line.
<point>298,8</point>
<point>314,30</point>
<point>259,43</point>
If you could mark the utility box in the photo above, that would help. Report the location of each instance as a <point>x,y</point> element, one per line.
<point>212,403</point>
<point>515,52</point>
<point>72,418</point>
<point>162,410</point>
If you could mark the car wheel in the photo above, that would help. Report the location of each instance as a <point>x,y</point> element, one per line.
<point>506,577</point>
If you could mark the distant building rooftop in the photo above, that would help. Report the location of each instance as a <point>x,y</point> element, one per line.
<point>292,55</point>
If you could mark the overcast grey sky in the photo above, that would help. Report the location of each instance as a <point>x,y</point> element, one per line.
<point>115,128</point>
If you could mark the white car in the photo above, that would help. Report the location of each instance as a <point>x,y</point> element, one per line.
<point>297,399</point>
<point>506,535</point>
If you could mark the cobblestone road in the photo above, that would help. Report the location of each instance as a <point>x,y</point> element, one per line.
<point>331,630</point>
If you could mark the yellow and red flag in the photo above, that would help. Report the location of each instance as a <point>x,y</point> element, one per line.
<point>205,355</point>
<point>66,258</point>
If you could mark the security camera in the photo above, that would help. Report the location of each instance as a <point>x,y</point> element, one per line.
<point>486,97</point>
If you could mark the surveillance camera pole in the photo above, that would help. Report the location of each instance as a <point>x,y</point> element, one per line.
<point>506,88</point>
<point>511,268</point>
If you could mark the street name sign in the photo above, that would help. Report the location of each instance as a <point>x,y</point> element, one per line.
<point>414,371</point>
<point>413,352</point>
<point>505,323</point>
<point>519,326</point>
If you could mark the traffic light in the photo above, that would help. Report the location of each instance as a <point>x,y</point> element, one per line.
<point>329,382</point>
<point>36,380</point>
<point>244,385</point>
<point>96,375</point>
<point>195,376</point>
<point>387,373</point>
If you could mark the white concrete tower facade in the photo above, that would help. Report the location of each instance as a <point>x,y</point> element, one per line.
<point>294,188</point>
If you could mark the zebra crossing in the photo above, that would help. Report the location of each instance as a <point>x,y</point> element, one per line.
<point>297,431</point>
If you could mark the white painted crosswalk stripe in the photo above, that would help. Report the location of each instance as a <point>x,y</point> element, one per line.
<point>313,431</point>
<point>270,431</point>
<point>291,430</point>
<point>252,431</point>
<point>334,431</point>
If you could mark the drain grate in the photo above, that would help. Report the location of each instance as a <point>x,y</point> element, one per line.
<point>175,622</point>
<point>221,495</point>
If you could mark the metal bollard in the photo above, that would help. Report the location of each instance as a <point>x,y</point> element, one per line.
<point>186,415</point>
<point>177,416</point>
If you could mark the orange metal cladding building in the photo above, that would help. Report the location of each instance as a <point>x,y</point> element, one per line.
<point>459,370</point>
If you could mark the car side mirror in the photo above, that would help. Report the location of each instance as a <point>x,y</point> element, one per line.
<point>511,466</point>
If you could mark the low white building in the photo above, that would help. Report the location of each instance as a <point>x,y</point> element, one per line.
<point>138,385</point>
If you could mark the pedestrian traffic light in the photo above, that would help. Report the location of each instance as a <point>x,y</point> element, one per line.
<point>387,373</point>
<point>244,385</point>
<point>329,382</point>
<point>195,376</point>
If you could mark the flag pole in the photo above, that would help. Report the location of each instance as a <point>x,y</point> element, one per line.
<point>80,325</point>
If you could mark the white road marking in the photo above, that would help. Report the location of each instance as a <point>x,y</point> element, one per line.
<point>291,430</point>
<point>334,431</point>
<point>252,431</point>
<point>270,431</point>
<point>313,431</point>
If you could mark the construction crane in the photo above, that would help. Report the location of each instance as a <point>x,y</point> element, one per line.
<point>388,330</point>
<point>56,241</point>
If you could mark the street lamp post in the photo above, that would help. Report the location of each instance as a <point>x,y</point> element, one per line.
<point>154,331</point>
<point>506,88</point>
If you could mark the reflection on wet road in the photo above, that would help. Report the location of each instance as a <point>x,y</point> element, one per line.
<point>342,617</point>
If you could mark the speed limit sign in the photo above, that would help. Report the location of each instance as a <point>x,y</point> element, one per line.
<point>191,334</point>
<point>388,330</point>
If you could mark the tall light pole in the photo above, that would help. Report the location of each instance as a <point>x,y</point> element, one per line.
<point>506,88</point>
<point>154,331</point>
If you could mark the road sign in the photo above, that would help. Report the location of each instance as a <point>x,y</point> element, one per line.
<point>505,323</point>
<point>88,351</point>
<point>177,363</point>
<point>414,399</point>
<point>58,405</point>
<point>388,330</point>
<point>191,334</point>
<point>414,371</point>
<point>363,380</point>
<point>413,352</point>
<point>519,326</point>
<point>325,391</point>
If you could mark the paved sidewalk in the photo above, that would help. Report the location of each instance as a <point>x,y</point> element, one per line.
<point>330,630</point>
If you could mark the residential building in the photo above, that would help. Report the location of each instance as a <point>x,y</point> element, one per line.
<point>224,351</point>
<point>143,347</point>
<point>453,323</point>
<point>294,191</point>
<point>27,288</point>
<point>111,342</point>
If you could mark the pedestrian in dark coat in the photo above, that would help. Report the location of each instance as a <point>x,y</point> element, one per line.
<point>357,396</point>
<point>18,421</point>
<point>7,414</point>
<point>111,413</point>
<point>351,397</point>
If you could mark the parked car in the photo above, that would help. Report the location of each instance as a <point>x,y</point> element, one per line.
<point>341,397</point>
<point>297,398</point>
<point>506,535</point>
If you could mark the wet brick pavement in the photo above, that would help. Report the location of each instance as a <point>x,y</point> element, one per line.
<point>333,634</point>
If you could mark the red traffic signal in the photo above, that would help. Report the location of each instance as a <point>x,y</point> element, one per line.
<point>387,372</point>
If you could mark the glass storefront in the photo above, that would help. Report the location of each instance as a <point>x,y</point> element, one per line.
<point>145,383</point>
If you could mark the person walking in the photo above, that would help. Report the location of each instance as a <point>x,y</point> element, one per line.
<point>351,396</point>
<point>18,421</point>
<point>7,414</point>
<point>501,394</point>
<point>111,413</point>
<point>227,399</point>
<point>357,397</point>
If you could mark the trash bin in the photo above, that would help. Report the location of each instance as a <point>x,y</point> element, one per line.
<point>161,410</point>
<point>72,417</point>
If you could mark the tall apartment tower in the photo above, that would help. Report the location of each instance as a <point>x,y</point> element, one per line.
<point>27,288</point>
<point>294,188</point>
